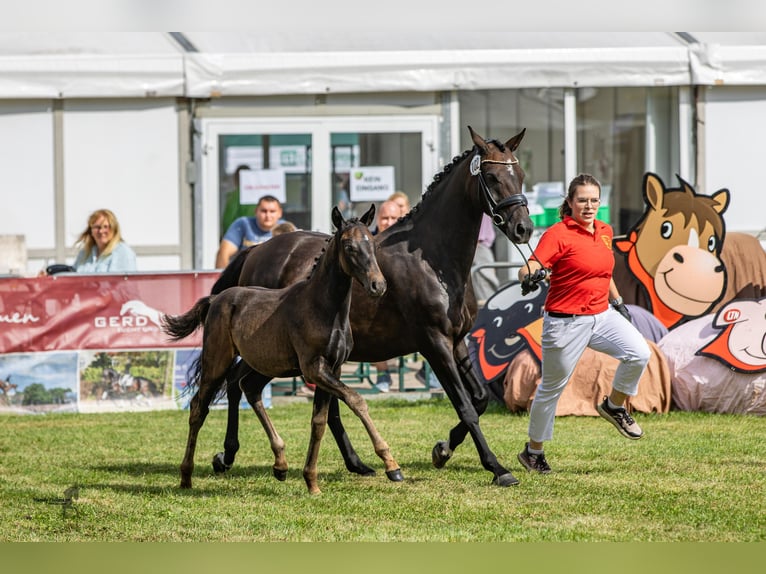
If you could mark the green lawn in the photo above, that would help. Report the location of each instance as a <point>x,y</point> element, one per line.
<point>693,477</point>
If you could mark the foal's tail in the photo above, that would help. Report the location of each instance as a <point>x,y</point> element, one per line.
<point>181,326</point>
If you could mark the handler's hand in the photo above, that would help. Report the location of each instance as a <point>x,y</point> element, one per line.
<point>530,282</point>
<point>623,310</point>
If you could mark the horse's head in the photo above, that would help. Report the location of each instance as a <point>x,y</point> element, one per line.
<point>356,250</point>
<point>500,180</point>
<point>678,243</point>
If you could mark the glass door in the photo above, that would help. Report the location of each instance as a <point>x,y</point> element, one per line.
<point>309,164</point>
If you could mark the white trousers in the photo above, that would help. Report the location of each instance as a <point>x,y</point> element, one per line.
<point>564,340</point>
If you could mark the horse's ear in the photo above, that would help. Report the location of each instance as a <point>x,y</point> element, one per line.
<point>513,143</point>
<point>478,140</point>
<point>337,217</point>
<point>721,200</point>
<point>368,217</point>
<point>654,190</point>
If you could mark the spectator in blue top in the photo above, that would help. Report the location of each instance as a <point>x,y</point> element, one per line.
<point>247,231</point>
<point>102,248</point>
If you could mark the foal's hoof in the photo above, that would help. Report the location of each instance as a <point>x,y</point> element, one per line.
<point>218,465</point>
<point>506,479</point>
<point>395,475</point>
<point>280,474</point>
<point>441,454</point>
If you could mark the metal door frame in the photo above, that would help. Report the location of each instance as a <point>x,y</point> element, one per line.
<point>206,203</point>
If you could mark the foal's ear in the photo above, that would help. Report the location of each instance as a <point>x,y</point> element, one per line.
<point>368,217</point>
<point>337,217</point>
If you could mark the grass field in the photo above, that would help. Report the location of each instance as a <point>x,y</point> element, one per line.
<point>693,477</point>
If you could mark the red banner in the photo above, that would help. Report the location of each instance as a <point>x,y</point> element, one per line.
<point>72,312</point>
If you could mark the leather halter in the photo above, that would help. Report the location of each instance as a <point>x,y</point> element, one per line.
<point>493,207</point>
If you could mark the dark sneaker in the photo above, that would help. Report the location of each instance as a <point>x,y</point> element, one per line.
<point>622,421</point>
<point>533,462</point>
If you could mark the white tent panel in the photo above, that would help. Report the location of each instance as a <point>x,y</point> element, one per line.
<point>125,159</point>
<point>715,64</point>
<point>734,152</point>
<point>26,165</point>
<point>214,75</point>
<point>276,61</point>
<point>83,76</point>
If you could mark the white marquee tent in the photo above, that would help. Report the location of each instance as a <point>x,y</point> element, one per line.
<point>203,65</point>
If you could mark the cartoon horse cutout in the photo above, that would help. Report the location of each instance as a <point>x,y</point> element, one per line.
<point>508,323</point>
<point>741,344</point>
<point>674,250</point>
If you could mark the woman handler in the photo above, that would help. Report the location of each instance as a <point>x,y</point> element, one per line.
<point>582,309</point>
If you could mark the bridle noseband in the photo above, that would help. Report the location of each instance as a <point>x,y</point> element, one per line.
<point>493,207</point>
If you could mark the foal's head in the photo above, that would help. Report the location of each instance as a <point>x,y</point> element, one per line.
<point>356,251</point>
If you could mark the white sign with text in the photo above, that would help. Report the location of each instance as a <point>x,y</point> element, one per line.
<point>255,183</point>
<point>371,183</point>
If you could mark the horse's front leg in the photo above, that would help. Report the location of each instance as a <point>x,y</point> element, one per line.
<point>330,381</point>
<point>223,461</point>
<point>318,423</point>
<point>442,362</point>
<point>350,456</point>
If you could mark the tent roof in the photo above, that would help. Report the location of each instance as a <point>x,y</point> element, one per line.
<point>276,61</point>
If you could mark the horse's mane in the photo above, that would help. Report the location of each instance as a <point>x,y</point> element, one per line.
<point>439,177</point>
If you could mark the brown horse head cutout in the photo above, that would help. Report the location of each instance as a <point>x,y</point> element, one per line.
<point>674,250</point>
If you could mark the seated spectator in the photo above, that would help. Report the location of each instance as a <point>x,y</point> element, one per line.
<point>400,198</point>
<point>247,231</point>
<point>284,227</point>
<point>102,248</point>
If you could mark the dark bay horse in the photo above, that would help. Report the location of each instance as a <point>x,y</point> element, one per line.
<point>303,328</point>
<point>429,306</point>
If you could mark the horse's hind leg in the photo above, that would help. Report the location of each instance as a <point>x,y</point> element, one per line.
<point>350,456</point>
<point>443,450</point>
<point>198,410</point>
<point>253,385</point>
<point>318,424</point>
<point>447,372</point>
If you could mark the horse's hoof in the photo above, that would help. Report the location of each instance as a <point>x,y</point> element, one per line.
<point>361,469</point>
<point>395,475</point>
<point>280,474</point>
<point>218,465</point>
<point>441,454</point>
<point>506,479</point>
<point>185,483</point>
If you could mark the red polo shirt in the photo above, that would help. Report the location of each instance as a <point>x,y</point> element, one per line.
<point>581,265</point>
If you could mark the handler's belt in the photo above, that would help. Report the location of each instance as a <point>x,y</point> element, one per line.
<point>561,315</point>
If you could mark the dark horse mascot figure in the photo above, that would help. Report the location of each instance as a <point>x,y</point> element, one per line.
<point>429,306</point>
<point>303,328</point>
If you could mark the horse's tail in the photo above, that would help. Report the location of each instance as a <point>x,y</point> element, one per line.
<point>181,326</point>
<point>230,275</point>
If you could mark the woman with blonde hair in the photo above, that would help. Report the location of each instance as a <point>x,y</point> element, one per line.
<point>102,249</point>
<point>400,198</point>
